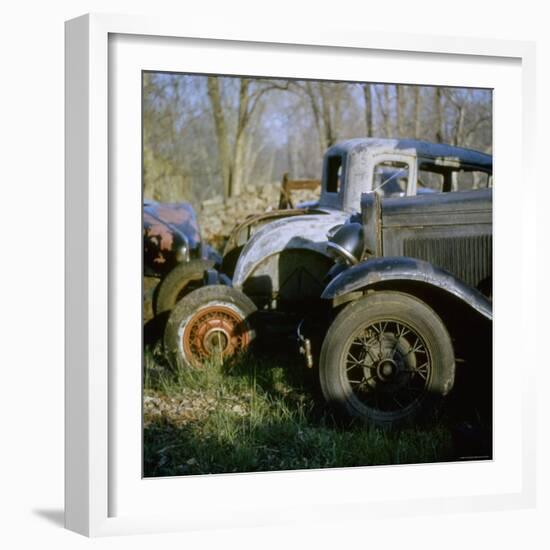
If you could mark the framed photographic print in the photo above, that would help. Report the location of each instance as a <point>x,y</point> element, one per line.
<point>280,288</point>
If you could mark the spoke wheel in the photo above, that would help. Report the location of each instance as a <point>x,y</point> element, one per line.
<point>385,358</point>
<point>387,365</point>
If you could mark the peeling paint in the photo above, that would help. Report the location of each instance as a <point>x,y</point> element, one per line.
<point>269,234</point>
<point>170,234</point>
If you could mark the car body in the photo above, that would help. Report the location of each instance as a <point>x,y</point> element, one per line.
<point>282,260</point>
<point>171,235</point>
<point>412,291</point>
<point>451,232</point>
<point>174,256</point>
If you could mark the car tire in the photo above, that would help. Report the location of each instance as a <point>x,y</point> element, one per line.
<point>181,280</point>
<point>210,323</point>
<point>385,359</point>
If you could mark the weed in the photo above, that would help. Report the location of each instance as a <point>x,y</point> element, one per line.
<point>263,414</point>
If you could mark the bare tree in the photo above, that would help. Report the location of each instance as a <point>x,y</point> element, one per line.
<point>458,126</point>
<point>225,157</point>
<point>233,148</point>
<point>325,102</point>
<point>467,115</point>
<point>399,107</point>
<point>417,111</point>
<point>204,136</point>
<point>385,107</point>
<point>369,108</point>
<point>166,176</point>
<point>439,126</point>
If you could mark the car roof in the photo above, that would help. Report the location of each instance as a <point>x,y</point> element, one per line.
<point>433,153</point>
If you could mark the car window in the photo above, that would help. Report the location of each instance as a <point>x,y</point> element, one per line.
<point>459,180</point>
<point>390,178</point>
<point>334,174</point>
<point>471,180</point>
<point>429,180</point>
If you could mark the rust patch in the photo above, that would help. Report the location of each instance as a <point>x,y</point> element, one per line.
<point>215,332</point>
<point>157,233</point>
<point>179,217</point>
<point>166,228</point>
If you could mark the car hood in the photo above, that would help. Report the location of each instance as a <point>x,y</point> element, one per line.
<point>171,220</point>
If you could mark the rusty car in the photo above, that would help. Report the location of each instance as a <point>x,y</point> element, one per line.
<point>279,261</point>
<point>174,255</point>
<point>411,291</point>
<point>284,262</point>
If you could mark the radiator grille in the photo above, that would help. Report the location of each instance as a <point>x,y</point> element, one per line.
<point>469,258</point>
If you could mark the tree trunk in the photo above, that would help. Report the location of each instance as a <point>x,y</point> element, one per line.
<point>336,103</point>
<point>369,108</point>
<point>237,179</point>
<point>317,117</point>
<point>254,148</point>
<point>438,111</point>
<point>417,111</point>
<point>221,134</point>
<point>326,97</point>
<point>238,175</point>
<point>385,110</point>
<point>400,107</point>
<point>459,125</point>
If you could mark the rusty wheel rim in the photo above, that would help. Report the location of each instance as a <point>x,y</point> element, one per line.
<point>215,332</point>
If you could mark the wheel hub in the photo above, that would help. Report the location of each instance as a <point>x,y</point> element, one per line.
<point>215,332</point>
<point>386,369</point>
<point>216,340</point>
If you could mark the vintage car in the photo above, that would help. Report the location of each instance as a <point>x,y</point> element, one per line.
<point>279,260</point>
<point>391,167</point>
<point>284,263</point>
<point>173,252</point>
<point>411,291</point>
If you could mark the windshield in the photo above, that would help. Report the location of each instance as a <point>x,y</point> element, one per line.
<point>390,180</point>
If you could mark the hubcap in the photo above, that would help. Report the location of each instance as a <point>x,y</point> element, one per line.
<point>216,341</point>
<point>386,369</point>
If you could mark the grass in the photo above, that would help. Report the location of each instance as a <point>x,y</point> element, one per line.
<point>264,414</point>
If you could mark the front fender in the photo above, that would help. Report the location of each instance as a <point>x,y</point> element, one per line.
<point>300,232</point>
<point>402,268</point>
